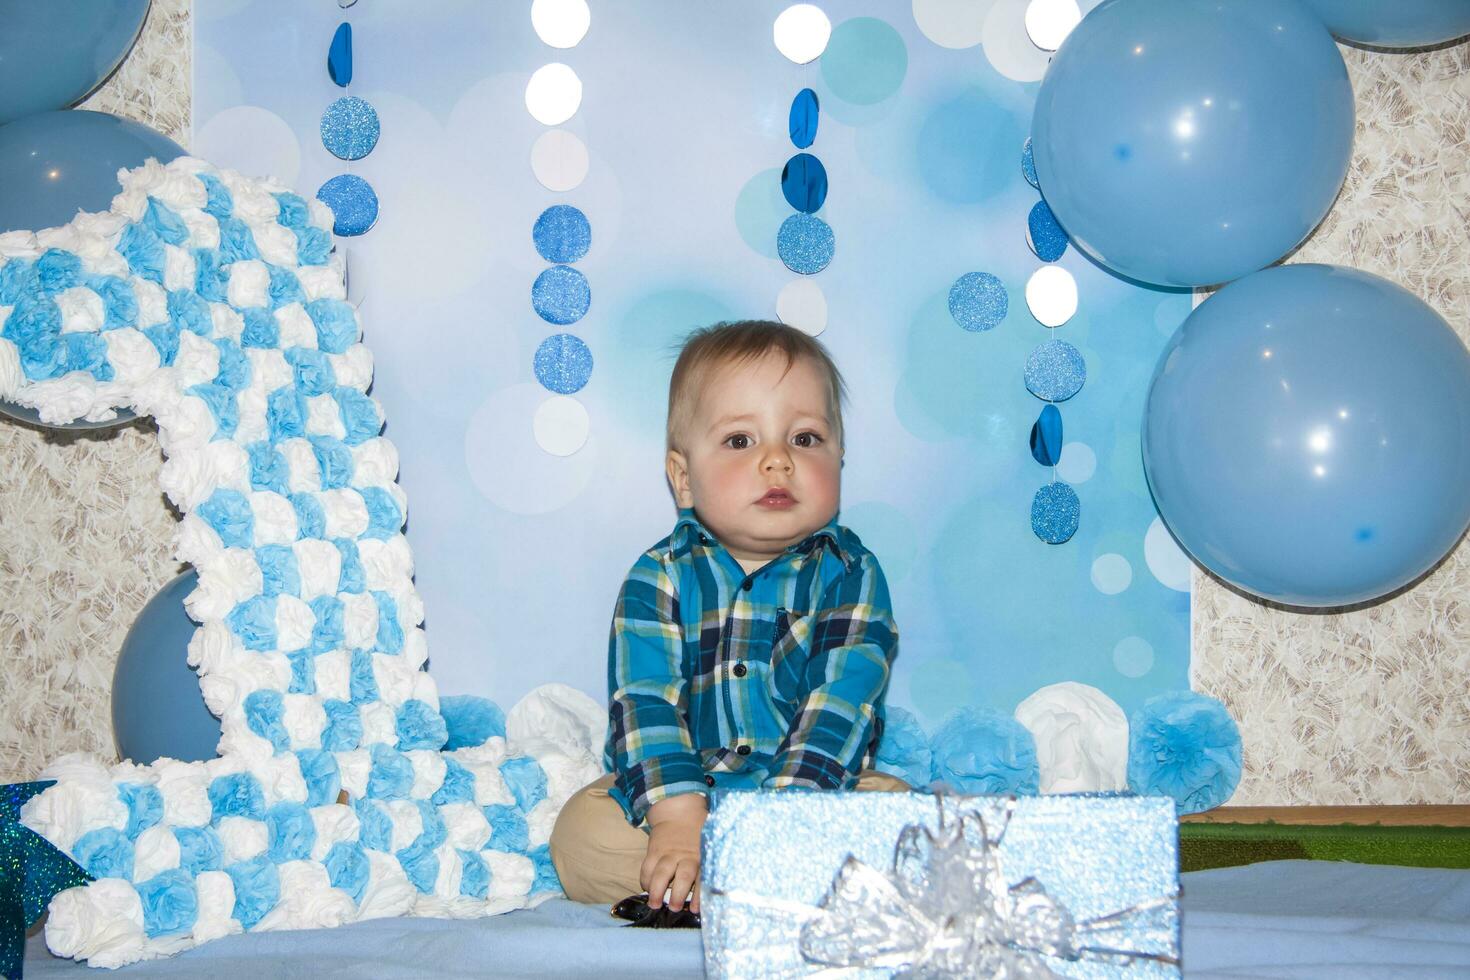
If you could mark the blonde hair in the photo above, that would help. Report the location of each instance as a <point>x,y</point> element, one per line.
<point>709,348</point>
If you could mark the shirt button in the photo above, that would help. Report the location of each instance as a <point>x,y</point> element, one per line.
<point>740,670</point>
<point>743,749</point>
<point>746,585</point>
<point>709,780</point>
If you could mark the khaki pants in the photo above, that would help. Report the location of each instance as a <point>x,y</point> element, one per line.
<point>598,854</point>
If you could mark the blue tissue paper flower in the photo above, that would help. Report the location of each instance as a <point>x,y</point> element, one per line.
<point>211,280</point>
<point>333,461</point>
<point>105,853</point>
<point>285,288</point>
<point>363,684</point>
<point>222,405</point>
<point>336,324</point>
<point>229,513</point>
<point>268,468</point>
<point>421,865</point>
<point>257,889</point>
<point>981,751</point>
<point>347,868</point>
<point>546,879</point>
<point>144,253</point>
<point>261,329</point>
<point>328,633</point>
<point>87,352</point>
<point>237,795</point>
<point>164,222</point>
<point>41,358</point>
<point>904,749</point>
<point>200,849</point>
<point>375,827</point>
<point>313,246</point>
<point>474,878</point>
<point>471,720</point>
<point>17,278</point>
<point>145,806</point>
<point>170,903</point>
<point>351,578</point>
<point>279,573</point>
<point>236,241</point>
<point>390,634</point>
<point>508,830</point>
<point>285,413</point>
<point>219,203</point>
<point>435,832</point>
<point>384,517</point>
<point>344,726</point>
<point>234,365</point>
<point>313,372</point>
<point>165,338</point>
<point>119,301</point>
<point>311,520</point>
<point>359,415</point>
<point>33,317</point>
<point>1186,746</point>
<point>458,785</point>
<point>323,778</point>
<point>188,311</point>
<point>291,832</point>
<point>294,213</point>
<point>420,727</point>
<point>303,672</point>
<point>391,776</point>
<point>526,779</point>
<point>58,270</point>
<point>254,622</point>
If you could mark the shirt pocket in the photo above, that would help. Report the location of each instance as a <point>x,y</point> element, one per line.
<point>790,653</point>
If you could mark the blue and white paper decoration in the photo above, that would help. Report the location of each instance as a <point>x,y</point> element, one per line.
<point>804,243</point>
<point>349,131</point>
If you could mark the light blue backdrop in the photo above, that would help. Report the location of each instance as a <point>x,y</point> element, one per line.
<point>520,553</point>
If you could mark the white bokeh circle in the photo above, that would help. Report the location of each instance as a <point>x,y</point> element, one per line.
<point>559,160</point>
<point>561,425</point>
<point>1051,293</point>
<point>1111,573</point>
<point>1133,656</point>
<point>509,468</point>
<point>553,94</point>
<point>561,23</point>
<point>1168,563</point>
<point>954,24</point>
<point>1007,47</point>
<point>801,32</point>
<point>1048,22</point>
<point>802,304</point>
<point>255,140</point>
<point>1077,464</point>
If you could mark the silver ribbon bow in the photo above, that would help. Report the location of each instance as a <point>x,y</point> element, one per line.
<point>945,910</point>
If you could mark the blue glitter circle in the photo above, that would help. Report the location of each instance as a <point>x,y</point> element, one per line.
<point>805,243</point>
<point>1048,240</point>
<point>1055,371</point>
<point>562,234</point>
<point>1055,511</point>
<point>563,363</point>
<point>804,183</point>
<point>350,128</point>
<point>561,295</point>
<point>354,204</point>
<point>978,301</point>
<point>1028,165</point>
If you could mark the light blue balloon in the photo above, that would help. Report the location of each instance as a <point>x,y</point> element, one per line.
<point>1307,435</point>
<point>54,164</point>
<point>1193,142</point>
<point>157,709</point>
<point>1394,23</point>
<point>53,53</point>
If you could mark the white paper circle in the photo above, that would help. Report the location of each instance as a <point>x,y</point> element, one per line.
<point>561,23</point>
<point>1048,22</point>
<point>1077,464</point>
<point>559,160</point>
<point>561,425</point>
<point>553,94</point>
<point>801,32</point>
<point>952,24</point>
<point>1111,573</point>
<point>1165,560</point>
<point>1051,293</point>
<point>1081,738</point>
<point>801,304</point>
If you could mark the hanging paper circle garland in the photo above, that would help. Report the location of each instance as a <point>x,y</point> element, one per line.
<point>978,301</point>
<point>803,119</point>
<point>350,128</point>
<point>349,131</point>
<point>563,363</point>
<point>1055,371</point>
<point>354,204</point>
<point>805,243</point>
<point>561,295</point>
<point>1055,513</point>
<point>562,234</point>
<point>1048,240</point>
<point>804,183</point>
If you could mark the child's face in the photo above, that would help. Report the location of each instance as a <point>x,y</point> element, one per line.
<point>759,428</point>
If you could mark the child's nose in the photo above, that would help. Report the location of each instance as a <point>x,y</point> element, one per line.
<point>776,459</point>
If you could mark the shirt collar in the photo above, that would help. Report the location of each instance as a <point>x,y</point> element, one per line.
<point>689,530</point>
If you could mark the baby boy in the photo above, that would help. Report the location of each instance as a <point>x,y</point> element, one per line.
<point>751,647</point>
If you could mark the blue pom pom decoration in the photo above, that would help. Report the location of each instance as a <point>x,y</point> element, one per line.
<point>904,749</point>
<point>981,751</point>
<point>291,832</point>
<point>170,904</point>
<point>200,849</point>
<point>257,889</point>
<point>508,830</point>
<point>471,720</point>
<point>105,853</point>
<point>145,807</point>
<point>347,868</point>
<point>1185,746</point>
<point>526,779</point>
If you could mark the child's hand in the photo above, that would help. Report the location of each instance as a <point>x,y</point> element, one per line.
<point>674,825</point>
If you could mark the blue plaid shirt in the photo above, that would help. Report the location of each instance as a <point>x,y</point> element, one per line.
<point>719,678</point>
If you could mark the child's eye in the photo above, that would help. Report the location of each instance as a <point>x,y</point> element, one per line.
<point>807,440</point>
<point>738,441</point>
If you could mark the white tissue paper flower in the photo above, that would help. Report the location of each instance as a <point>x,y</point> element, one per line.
<point>429,769</point>
<point>334,823</point>
<point>216,891</point>
<point>389,892</point>
<point>84,798</point>
<point>1081,738</point>
<point>242,838</point>
<point>559,714</point>
<point>101,922</point>
<point>155,850</point>
<point>510,874</point>
<point>308,900</point>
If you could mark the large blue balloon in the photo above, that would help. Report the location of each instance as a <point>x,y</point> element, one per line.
<point>157,710</point>
<point>54,52</point>
<point>54,164</point>
<point>1395,23</point>
<point>1307,435</point>
<point>1191,142</point>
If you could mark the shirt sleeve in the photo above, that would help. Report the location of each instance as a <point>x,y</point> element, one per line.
<point>648,748</point>
<point>853,644</point>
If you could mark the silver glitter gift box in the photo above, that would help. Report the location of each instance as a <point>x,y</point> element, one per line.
<point>913,885</point>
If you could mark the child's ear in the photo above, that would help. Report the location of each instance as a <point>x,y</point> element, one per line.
<point>678,470</point>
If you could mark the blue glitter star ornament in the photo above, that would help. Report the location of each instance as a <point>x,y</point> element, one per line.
<point>1055,511</point>
<point>32,872</point>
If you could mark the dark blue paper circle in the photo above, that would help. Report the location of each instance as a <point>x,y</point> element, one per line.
<point>350,128</point>
<point>805,243</point>
<point>561,295</point>
<point>1048,240</point>
<point>804,183</point>
<point>563,363</point>
<point>1028,165</point>
<point>562,234</point>
<point>1055,512</point>
<point>803,120</point>
<point>339,55</point>
<point>1055,371</point>
<point>353,202</point>
<point>1046,436</point>
<point>978,301</point>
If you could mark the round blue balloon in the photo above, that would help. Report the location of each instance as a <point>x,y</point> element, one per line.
<point>54,164</point>
<point>1193,142</point>
<point>1307,435</point>
<point>1399,24</point>
<point>157,710</point>
<point>53,53</point>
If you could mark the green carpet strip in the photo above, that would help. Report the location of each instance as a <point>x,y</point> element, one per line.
<point>1224,845</point>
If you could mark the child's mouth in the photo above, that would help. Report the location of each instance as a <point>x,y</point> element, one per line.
<point>777,499</point>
